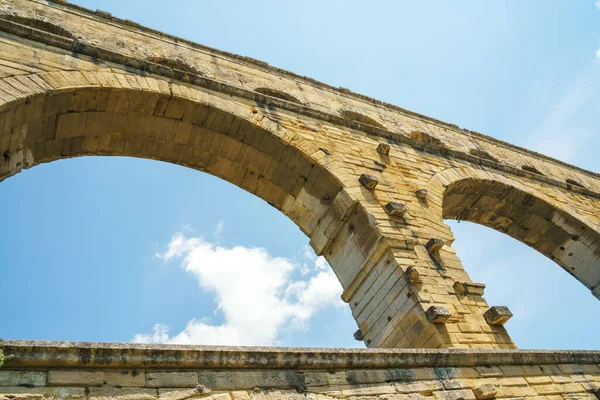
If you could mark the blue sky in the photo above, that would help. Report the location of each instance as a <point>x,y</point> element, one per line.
<point>109,249</point>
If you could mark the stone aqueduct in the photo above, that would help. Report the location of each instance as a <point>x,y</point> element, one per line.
<point>369,183</point>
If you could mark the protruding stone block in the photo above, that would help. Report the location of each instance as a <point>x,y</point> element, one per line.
<point>434,246</point>
<point>395,209</point>
<point>358,335</point>
<point>497,315</point>
<point>485,392</point>
<point>438,314</point>
<point>421,194</point>
<point>383,149</point>
<point>369,181</point>
<point>469,288</point>
<point>412,276</point>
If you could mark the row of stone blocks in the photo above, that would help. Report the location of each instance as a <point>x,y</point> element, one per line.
<point>99,371</point>
<point>546,382</point>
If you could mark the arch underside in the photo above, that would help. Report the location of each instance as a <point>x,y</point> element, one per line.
<point>143,124</point>
<point>532,220</point>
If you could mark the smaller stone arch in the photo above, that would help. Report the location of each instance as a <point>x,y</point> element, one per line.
<point>544,223</point>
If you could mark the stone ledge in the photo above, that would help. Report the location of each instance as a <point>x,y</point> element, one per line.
<point>97,52</point>
<point>61,355</point>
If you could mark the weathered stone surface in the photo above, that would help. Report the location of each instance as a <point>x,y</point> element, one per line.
<point>464,394</point>
<point>251,379</point>
<point>314,374</point>
<point>26,393</point>
<point>22,378</point>
<point>111,393</point>
<point>485,392</point>
<point>131,378</point>
<point>171,379</point>
<point>181,394</point>
<point>75,378</point>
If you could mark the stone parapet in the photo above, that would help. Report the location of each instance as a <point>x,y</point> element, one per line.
<point>132,371</point>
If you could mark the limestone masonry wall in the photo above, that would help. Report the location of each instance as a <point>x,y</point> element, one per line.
<point>369,183</point>
<point>42,370</point>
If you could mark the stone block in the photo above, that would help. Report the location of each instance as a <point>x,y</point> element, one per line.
<point>497,315</point>
<point>219,380</point>
<point>181,394</point>
<point>36,393</point>
<point>469,288</point>
<point>412,276</point>
<point>485,391</point>
<point>75,378</point>
<point>421,194</point>
<point>464,394</point>
<point>383,149</point>
<point>358,335</point>
<point>111,393</point>
<point>22,378</point>
<point>438,314</point>
<point>369,181</point>
<point>125,378</point>
<point>395,209</point>
<point>171,379</point>
<point>434,245</point>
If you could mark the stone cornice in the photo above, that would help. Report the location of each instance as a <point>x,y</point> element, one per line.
<point>97,52</point>
<point>59,355</point>
<point>339,91</point>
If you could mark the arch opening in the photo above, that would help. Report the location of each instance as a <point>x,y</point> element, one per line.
<point>531,219</point>
<point>99,217</point>
<point>224,137</point>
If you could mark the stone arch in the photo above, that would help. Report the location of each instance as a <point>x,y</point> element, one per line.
<point>547,224</point>
<point>76,114</point>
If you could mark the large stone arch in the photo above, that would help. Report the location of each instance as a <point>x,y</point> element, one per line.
<point>547,224</point>
<point>200,130</point>
<point>80,114</point>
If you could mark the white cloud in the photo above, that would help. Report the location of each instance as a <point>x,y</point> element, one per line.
<point>218,231</point>
<point>254,292</point>
<point>598,54</point>
<point>598,4</point>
